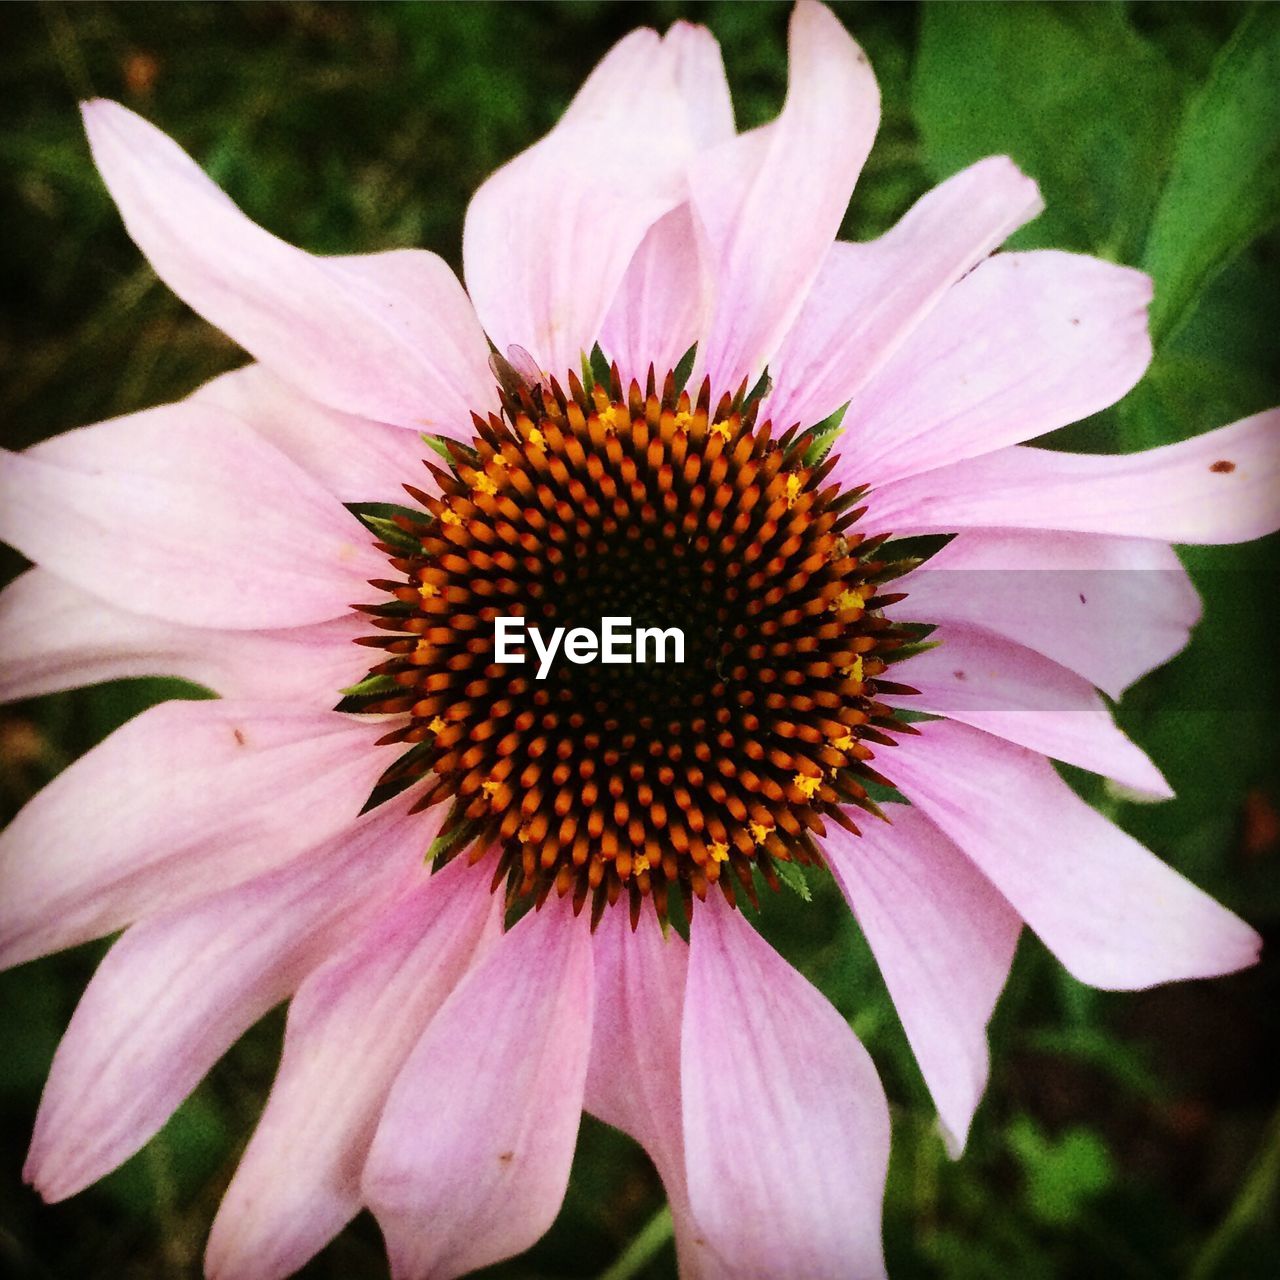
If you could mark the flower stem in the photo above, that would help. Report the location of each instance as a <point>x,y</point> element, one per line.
<point>652,1236</point>
<point>1256,1192</point>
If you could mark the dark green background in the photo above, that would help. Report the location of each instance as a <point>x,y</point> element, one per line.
<point>1128,1136</point>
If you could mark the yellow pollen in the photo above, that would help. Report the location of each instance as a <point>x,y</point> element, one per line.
<point>483,484</point>
<point>490,786</point>
<point>428,591</point>
<point>722,428</point>
<point>719,852</point>
<point>793,489</point>
<point>437,725</point>
<point>806,785</point>
<point>614,418</point>
<point>854,670</point>
<point>759,832</point>
<point>500,460</point>
<point>450,517</point>
<point>847,600</point>
<point>639,863</point>
<point>843,743</point>
<point>683,421</point>
<point>524,835</point>
<point>536,437</point>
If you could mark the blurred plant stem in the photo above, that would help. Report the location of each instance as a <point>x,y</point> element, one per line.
<point>159,1164</point>
<point>66,48</point>
<point>1259,1189</point>
<point>645,1246</point>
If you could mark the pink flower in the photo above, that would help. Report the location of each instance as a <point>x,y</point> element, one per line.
<point>436,1063</point>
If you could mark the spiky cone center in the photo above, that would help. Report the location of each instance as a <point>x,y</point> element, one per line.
<point>614,782</point>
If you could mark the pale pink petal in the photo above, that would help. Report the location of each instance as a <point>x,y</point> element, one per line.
<point>868,298</point>
<point>355,459</point>
<point>1222,486</point>
<point>1111,609</point>
<point>182,512</point>
<point>1018,694</point>
<point>700,78</point>
<point>549,236</point>
<point>424,307</point>
<point>56,636</point>
<point>185,799</point>
<point>786,1127</point>
<point>661,305</point>
<point>1024,344</point>
<point>944,939</point>
<point>769,202</point>
<point>633,1081</point>
<point>390,336</point>
<point>1110,910</point>
<point>351,1026</point>
<point>471,1158</point>
<point>177,990</point>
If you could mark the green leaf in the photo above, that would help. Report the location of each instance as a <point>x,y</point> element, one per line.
<point>792,875</point>
<point>1224,187</point>
<point>370,686</point>
<point>601,370</point>
<point>764,384</point>
<point>440,444</point>
<point>1079,100</point>
<point>384,510</point>
<point>1061,1175</point>
<point>391,533</point>
<point>822,437</point>
<point>684,367</point>
<point>456,837</point>
<point>1122,1062</point>
<point>909,651</point>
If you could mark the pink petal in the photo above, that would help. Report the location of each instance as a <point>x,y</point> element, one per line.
<point>54,636</point>
<point>661,306</point>
<point>786,1127</point>
<point>549,236</point>
<point>700,78</point>
<point>389,336</point>
<point>944,939</point>
<point>351,1026</point>
<point>746,193</point>
<point>633,1080</point>
<point>355,459</point>
<point>1112,912</point>
<point>1024,344</point>
<point>1111,609</point>
<point>868,298</point>
<point>1024,697</point>
<point>184,800</point>
<point>662,303</point>
<point>184,513</point>
<point>471,1158</point>
<point>1222,486</point>
<point>177,990</point>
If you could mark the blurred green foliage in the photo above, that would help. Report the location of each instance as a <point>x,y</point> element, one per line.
<point>1122,1136</point>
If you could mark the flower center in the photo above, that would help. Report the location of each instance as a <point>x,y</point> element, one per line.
<point>612,780</point>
